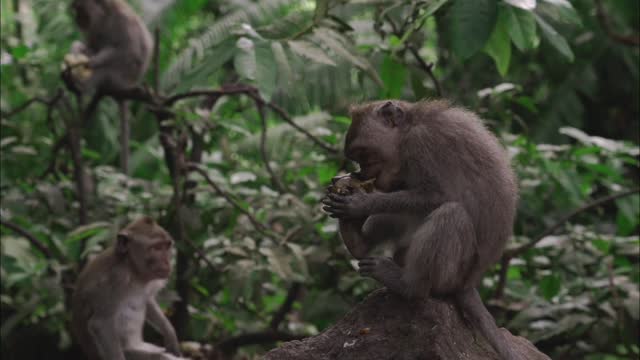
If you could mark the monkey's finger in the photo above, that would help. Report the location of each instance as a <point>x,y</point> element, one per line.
<point>337,198</point>
<point>371,261</point>
<point>329,209</point>
<point>335,205</point>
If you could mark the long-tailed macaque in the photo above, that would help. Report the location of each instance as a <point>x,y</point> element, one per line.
<point>115,294</point>
<point>114,57</point>
<point>446,196</point>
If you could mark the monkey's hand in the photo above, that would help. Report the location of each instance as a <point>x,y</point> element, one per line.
<point>172,346</point>
<point>353,206</point>
<point>385,271</point>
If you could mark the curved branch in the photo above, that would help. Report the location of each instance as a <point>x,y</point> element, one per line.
<point>255,222</point>
<point>49,103</point>
<point>630,40</point>
<point>32,239</point>
<point>428,68</point>
<point>510,254</point>
<point>286,306</point>
<point>263,148</point>
<point>519,250</point>
<point>253,93</point>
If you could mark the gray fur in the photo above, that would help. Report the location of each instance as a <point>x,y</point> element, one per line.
<point>447,182</point>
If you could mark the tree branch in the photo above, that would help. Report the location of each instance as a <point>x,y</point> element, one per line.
<point>278,316</point>
<point>630,40</point>
<point>255,222</point>
<point>48,253</point>
<point>263,148</point>
<point>47,102</point>
<point>428,68</point>
<point>521,249</point>
<point>510,254</point>
<point>254,94</point>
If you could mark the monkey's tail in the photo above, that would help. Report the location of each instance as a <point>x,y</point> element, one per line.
<point>470,302</point>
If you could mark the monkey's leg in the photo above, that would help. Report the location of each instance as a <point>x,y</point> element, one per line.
<point>470,301</point>
<point>125,133</point>
<point>439,253</point>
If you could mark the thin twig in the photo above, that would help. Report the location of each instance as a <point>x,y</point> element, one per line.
<point>630,40</point>
<point>48,102</point>
<point>255,222</point>
<point>263,148</point>
<point>254,94</point>
<point>510,254</point>
<point>48,253</point>
<point>521,249</point>
<point>287,304</point>
<point>428,68</point>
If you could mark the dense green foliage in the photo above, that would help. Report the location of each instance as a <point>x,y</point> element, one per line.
<point>556,80</point>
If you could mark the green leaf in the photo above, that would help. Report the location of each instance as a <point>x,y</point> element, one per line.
<point>628,215</point>
<point>285,74</point>
<point>499,45</point>
<point>266,70</point>
<point>341,47</point>
<point>245,60</point>
<point>522,28</point>
<point>20,51</point>
<point>522,4</point>
<point>471,23</point>
<point>432,8</point>
<point>602,245</point>
<point>550,286</point>
<point>556,40</point>
<point>559,10</point>
<point>393,76</point>
<point>310,51</point>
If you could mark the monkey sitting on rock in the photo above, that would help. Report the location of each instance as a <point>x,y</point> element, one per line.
<point>446,197</point>
<point>115,295</point>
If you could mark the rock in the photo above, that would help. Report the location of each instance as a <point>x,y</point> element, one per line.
<point>385,326</point>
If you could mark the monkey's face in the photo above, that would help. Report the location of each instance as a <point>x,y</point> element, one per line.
<point>157,257</point>
<point>85,12</point>
<point>373,141</point>
<point>148,247</point>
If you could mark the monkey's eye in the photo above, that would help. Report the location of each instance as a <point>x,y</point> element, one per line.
<point>161,246</point>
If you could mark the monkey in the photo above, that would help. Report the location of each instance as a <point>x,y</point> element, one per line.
<point>115,294</point>
<point>445,196</point>
<point>116,55</point>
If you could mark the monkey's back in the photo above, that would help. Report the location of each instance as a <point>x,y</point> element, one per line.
<point>466,163</point>
<point>88,287</point>
<point>124,30</point>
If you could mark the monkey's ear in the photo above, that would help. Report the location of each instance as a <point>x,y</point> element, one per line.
<point>392,113</point>
<point>122,243</point>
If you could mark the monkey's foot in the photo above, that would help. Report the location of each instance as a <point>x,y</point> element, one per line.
<point>385,271</point>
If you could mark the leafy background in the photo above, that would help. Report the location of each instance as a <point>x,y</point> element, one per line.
<point>557,80</point>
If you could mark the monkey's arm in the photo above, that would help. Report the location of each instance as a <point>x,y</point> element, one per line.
<point>159,321</point>
<point>102,329</point>
<point>359,205</point>
<point>351,233</point>
<point>106,55</point>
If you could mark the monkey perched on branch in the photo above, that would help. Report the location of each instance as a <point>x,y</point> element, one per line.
<point>446,198</point>
<point>115,294</point>
<point>112,61</point>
